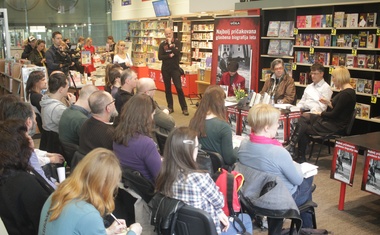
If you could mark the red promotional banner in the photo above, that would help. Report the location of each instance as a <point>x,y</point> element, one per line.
<point>344,162</point>
<point>238,39</point>
<point>371,169</point>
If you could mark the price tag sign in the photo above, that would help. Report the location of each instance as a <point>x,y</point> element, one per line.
<point>294,66</point>
<point>295,31</point>
<point>354,52</point>
<point>333,31</point>
<point>378,32</point>
<point>311,50</point>
<point>331,69</point>
<point>373,99</point>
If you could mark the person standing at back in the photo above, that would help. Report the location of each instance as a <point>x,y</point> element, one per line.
<point>53,62</point>
<point>170,54</point>
<point>30,44</point>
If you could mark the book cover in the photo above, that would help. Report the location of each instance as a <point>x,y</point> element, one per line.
<point>288,69</point>
<point>332,83</point>
<point>368,86</point>
<point>274,47</point>
<point>358,108</point>
<point>352,20</point>
<point>265,73</point>
<point>340,41</point>
<point>329,20</point>
<point>338,19</point>
<point>342,59</point>
<point>334,39</point>
<point>347,40</point>
<point>344,162</point>
<point>371,167</point>
<point>308,39</point>
<point>355,40</point>
<point>316,21</point>
<point>325,40</point>
<point>377,64</point>
<point>362,39</point>
<point>299,56</point>
<point>286,29</point>
<point>335,59</point>
<point>376,88</point>
<point>322,58</point>
<point>308,21</point>
<point>371,39</point>
<point>350,59</point>
<point>366,110</point>
<point>273,28</point>
<point>281,131</point>
<point>362,61</point>
<point>286,47</point>
<point>298,39</point>
<point>303,79</point>
<point>301,22</point>
<point>362,22</point>
<point>360,85</point>
<point>323,21</point>
<point>371,19</point>
<point>353,82</point>
<point>370,61</point>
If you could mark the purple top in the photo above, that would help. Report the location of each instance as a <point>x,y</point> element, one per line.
<point>141,154</point>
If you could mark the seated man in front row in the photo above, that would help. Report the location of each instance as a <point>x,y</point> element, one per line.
<point>280,85</point>
<point>315,91</point>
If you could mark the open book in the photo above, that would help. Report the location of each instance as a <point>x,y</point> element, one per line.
<point>307,169</point>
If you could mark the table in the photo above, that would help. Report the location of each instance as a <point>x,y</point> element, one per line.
<point>363,142</point>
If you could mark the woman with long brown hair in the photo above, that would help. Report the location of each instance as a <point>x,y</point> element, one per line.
<point>210,123</point>
<point>37,56</point>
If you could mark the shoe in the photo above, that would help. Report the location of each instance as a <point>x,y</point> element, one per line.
<point>171,110</point>
<point>185,112</point>
<point>313,187</point>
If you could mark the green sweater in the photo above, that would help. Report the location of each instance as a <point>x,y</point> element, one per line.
<point>219,139</point>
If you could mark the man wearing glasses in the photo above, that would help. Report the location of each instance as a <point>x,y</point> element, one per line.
<point>315,91</point>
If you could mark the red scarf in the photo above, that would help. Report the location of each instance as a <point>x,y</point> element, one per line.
<point>263,140</point>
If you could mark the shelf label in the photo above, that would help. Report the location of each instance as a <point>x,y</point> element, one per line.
<point>333,31</point>
<point>295,31</point>
<point>294,66</point>
<point>373,99</point>
<point>311,50</point>
<point>378,31</point>
<point>354,52</point>
<point>331,69</point>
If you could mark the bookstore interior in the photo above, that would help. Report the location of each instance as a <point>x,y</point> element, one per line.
<point>331,34</point>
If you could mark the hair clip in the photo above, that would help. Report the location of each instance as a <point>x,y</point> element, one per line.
<point>188,141</point>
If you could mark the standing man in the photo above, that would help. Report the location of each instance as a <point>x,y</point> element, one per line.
<point>31,44</point>
<point>169,52</point>
<point>53,55</point>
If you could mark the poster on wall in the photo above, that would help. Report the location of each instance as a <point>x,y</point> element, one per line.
<point>237,39</point>
<point>370,181</point>
<point>344,162</point>
<point>126,2</point>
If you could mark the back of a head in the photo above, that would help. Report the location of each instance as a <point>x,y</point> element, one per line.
<point>113,74</point>
<point>262,115</point>
<point>86,91</point>
<point>56,81</point>
<point>19,110</point>
<point>127,74</point>
<point>213,100</point>
<point>233,66</point>
<point>5,102</point>
<point>342,75</point>
<point>144,85</point>
<point>98,101</point>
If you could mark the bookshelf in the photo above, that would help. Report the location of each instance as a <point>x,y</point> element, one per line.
<point>202,34</point>
<point>182,31</point>
<point>320,35</point>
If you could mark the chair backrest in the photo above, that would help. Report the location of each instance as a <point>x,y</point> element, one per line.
<point>68,150</point>
<point>216,159</point>
<point>161,140</point>
<point>194,221</point>
<point>76,159</point>
<point>351,123</point>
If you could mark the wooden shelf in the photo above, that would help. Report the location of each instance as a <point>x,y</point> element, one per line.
<point>278,56</point>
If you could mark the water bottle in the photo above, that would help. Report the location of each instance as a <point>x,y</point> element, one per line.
<point>272,100</point>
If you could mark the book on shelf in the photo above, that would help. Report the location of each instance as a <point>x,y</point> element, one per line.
<point>329,20</point>
<point>273,28</point>
<point>355,40</point>
<point>307,169</point>
<point>286,47</point>
<point>362,39</point>
<point>362,61</point>
<point>370,61</point>
<point>316,21</point>
<point>376,88</point>
<point>308,21</point>
<point>353,82</point>
<point>368,86</point>
<point>303,78</point>
<point>288,68</point>
<point>322,58</point>
<point>377,64</point>
<point>274,47</point>
<point>265,73</point>
<point>308,39</point>
<point>335,59</point>
<point>360,85</point>
<point>350,61</point>
<point>332,84</point>
<point>301,22</point>
<point>286,29</point>
<point>362,21</point>
<point>342,59</point>
<point>371,40</point>
<point>363,110</point>
<point>347,40</point>
<point>352,20</point>
<point>371,19</point>
<point>339,19</point>
<point>340,40</point>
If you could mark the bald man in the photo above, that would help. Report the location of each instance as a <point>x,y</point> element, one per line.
<point>74,116</point>
<point>170,54</point>
<point>162,119</point>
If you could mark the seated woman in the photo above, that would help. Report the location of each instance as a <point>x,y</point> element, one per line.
<point>181,179</point>
<point>80,202</point>
<point>34,86</point>
<point>112,78</point>
<point>262,152</point>
<point>210,123</point>
<point>21,194</point>
<point>133,144</point>
<point>334,120</point>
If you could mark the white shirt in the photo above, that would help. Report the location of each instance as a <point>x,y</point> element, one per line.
<point>119,60</point>
<point>312,94</point>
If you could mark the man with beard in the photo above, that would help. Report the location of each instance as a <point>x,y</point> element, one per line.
<point>97,131</point>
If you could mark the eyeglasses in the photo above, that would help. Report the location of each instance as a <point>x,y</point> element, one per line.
<point>280,68</point>
<point>314,73</point>
<point>113,101</point>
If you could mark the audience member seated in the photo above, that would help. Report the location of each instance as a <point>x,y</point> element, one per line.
<point>51,105</point>
<point>21,194</point>
<point>263,153</point>
<point>23,111</point>
<point>112,78</point>
<point>34,86</point>
<point>232,79</point>
<point>128,81</point>
<point>209,121</point>
<point>316,90</point>
<point>97,131</point>
<point>84,198</point>
<point>334,120</point>
<point>5,102</point>
<point>280,85</point>
<point>37,56</point>
<point>181,179</point>
<point>162,119</point>
<point>75,115</point>
<point>133,144</point>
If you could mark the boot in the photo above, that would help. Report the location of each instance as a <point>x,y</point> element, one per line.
<point>291,147</point>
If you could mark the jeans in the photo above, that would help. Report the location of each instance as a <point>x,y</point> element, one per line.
<point>234,228</point>
<point>302,195</point>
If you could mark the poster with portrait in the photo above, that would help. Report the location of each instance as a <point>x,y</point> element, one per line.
<point>344,162</point>
<point>126,2</point>
<point>237,39</point>
<point>370,181</point>
<point>85,57</point>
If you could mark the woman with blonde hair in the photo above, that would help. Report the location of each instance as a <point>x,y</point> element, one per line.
<point>80,202</point>
<point>121,55</point>
<point>210,123</point>
<point>334,120</point>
